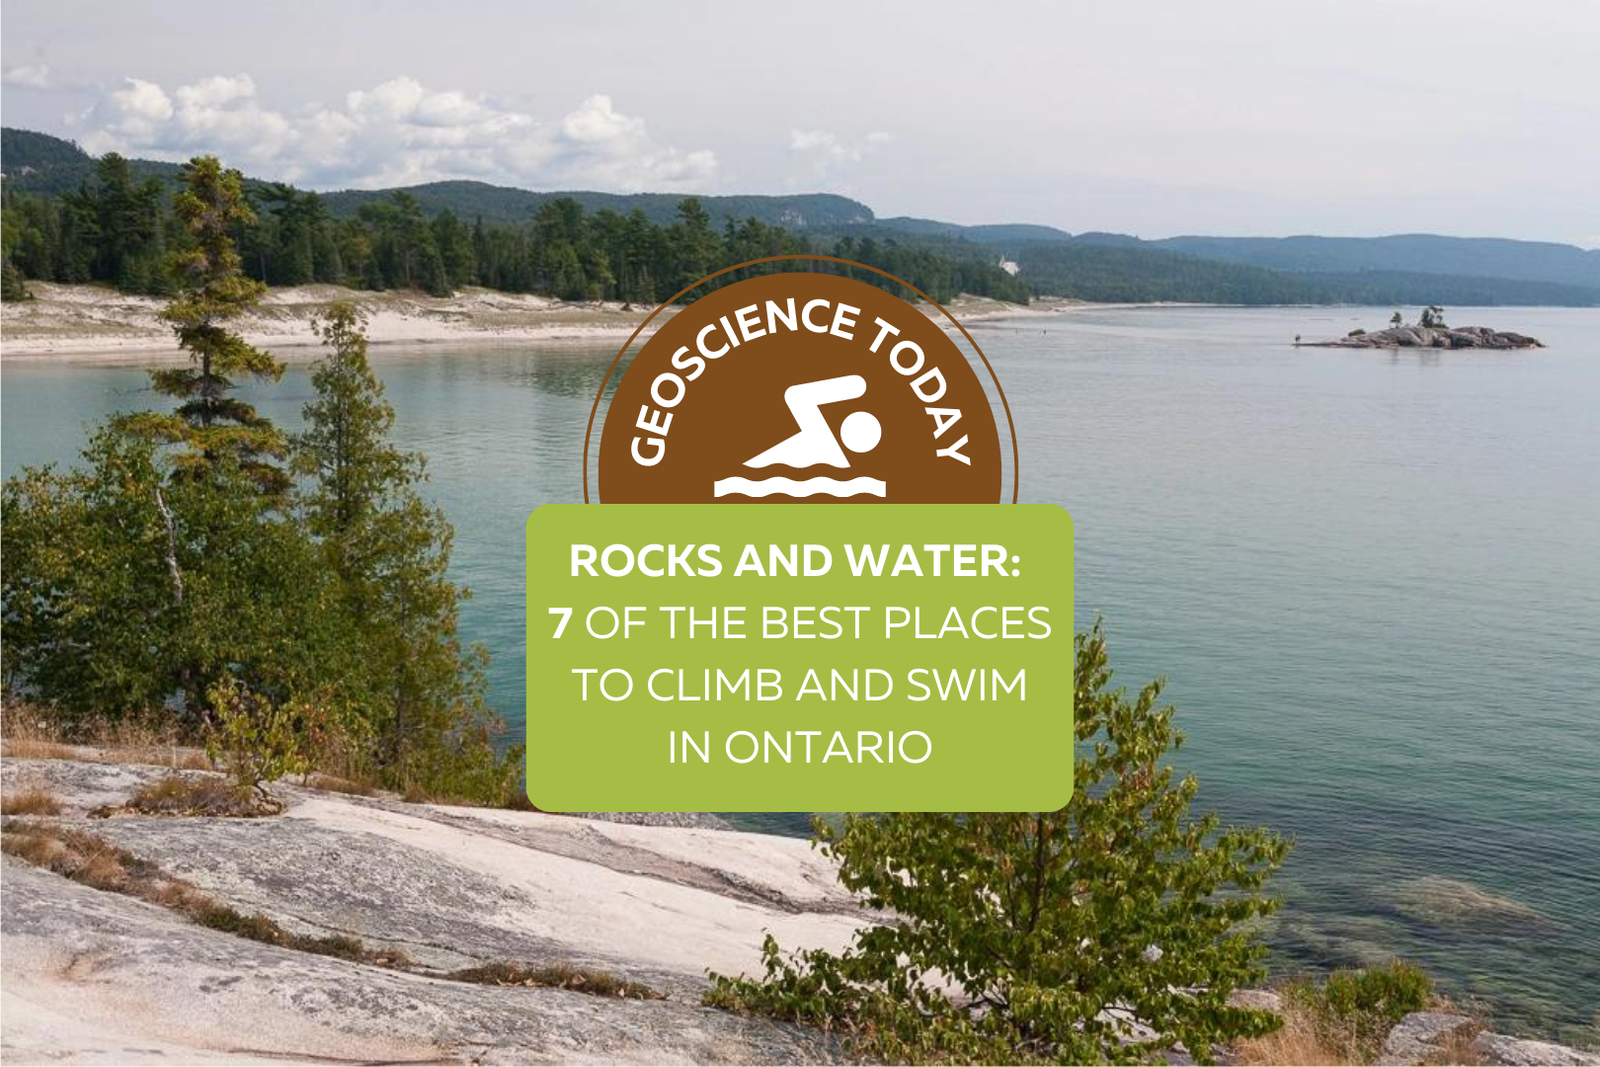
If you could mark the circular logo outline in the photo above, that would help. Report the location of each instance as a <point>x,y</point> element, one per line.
<point>588,433</point>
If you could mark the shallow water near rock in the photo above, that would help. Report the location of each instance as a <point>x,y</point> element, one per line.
<point>1370,577</point>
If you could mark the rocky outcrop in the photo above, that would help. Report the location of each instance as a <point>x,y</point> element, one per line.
<point>101,978</point>
<point>1431,337</point>
<point>91,975</point>
<point>1441,1037</point>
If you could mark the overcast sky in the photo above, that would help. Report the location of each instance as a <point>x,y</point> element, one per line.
<point>1228,116</point>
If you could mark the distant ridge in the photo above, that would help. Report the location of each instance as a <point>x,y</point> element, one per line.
<point>1426,253</point>
<point>503,205</point>
<point>1004,233</point>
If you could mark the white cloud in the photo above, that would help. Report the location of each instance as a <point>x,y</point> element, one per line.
<point>823,145</point>
<point>394,133</point>
<point>28,76</point>
<point>826,154</point>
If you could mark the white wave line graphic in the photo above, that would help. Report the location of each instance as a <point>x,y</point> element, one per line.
<point>820,486</point>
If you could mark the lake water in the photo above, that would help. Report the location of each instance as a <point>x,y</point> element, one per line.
<point>1372,579</point>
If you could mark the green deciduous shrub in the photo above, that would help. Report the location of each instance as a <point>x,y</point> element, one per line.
<point>1041,937</point>
<point>256,738</point>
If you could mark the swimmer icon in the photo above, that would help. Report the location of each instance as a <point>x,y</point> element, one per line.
<point>815,445</point>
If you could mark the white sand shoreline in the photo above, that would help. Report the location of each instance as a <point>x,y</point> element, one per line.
<point>94,323</point>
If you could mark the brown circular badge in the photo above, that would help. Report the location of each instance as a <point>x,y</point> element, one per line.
<point>799,387</point>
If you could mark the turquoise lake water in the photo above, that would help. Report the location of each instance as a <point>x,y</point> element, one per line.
<point>1371,578</point>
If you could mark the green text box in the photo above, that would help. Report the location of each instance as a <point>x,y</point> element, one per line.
<point>991,732</point>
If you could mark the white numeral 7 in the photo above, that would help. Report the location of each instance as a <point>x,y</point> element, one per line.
<point>566,617</point>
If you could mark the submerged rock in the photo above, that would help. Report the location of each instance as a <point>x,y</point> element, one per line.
<point>1430,337</point>
<point>1442,901</point>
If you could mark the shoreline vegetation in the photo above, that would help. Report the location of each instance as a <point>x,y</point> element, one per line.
<point>283,599</point>
<point>95,320</point>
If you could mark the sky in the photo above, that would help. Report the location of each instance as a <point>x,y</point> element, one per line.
<point>1223,117</point>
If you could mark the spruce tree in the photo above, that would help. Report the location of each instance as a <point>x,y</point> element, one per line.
<point>213,289</point>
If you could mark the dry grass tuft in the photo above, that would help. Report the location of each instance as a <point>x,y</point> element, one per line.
<point>331,783</point>
<point>94,862</point>
<point>1344,1018</point>
<point>1300,1041</point>
<point>205,796</point>
<point>98,864</point>
<point>28,748</point>
<point>557,976</point>
<point>32,801</point>
<point>77,855</point>
<point>32,732</point>
<point>191,760</point>
<point>518,801</point>
<point>514,800</point>
<point>1459,1048</point>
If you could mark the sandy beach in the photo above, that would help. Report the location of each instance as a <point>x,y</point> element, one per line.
<point>97,322</point>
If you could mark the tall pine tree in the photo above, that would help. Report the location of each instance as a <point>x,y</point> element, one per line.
<point>213,289</point>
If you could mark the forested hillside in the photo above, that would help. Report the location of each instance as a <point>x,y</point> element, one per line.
<point>116,225</point>
<point>1103,273</point>
<point>70,217</point>
<point>502,206</point>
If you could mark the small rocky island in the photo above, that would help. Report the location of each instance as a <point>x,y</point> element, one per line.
<point>1429,332</point>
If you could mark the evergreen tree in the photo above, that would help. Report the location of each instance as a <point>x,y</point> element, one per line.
<point>298,217</point>
<point>328,615</point>
<point>389,551</point>
<point>12,287</point>
<point>209,423</point>
<point>80,237</point>
<point>695,247</point>
<point>129,250</point>
<point>415,260</point>
<point>456,252</point>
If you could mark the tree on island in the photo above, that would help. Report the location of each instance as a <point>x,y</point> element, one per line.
<point>1396,320</point>
<point>1043,937</point>
<point>1433,318</point>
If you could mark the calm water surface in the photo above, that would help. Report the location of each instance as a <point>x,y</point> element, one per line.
<point>1372,580</point>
